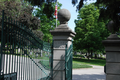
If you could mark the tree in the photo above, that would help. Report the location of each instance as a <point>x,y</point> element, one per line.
<point>48,9</point>
<point>89,30</point>
<point>21,12</point>
<point>110,10</point>
<point>47,24</point>
<point>40,2</point>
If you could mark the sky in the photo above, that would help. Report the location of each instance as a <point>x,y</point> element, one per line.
<point>67,4</point>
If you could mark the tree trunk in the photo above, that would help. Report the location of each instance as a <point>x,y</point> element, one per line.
<point>91,55</point>
<point>88,56</point>
<point>95,56</point>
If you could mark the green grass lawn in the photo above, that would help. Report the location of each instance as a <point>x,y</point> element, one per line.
<point>45,64</point>
<point>77,65</point>
<point>77,62</point>
<point>99,62</point>
<point>84,63</point>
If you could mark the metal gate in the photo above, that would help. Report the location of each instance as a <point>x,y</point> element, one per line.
<point>68,63</point>
<point>23,56</point>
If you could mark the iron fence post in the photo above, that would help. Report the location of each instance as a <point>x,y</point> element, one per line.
<point>1,45</point>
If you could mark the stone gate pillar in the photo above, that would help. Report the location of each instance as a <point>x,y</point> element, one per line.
<point>62,35</point>
<point>112,48</point>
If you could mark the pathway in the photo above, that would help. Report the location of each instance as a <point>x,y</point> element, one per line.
<point>95,73</point>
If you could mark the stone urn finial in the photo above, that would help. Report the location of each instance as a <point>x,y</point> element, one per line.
<point>63,29</point>
<point>113,29</point>
<point>64,16</point>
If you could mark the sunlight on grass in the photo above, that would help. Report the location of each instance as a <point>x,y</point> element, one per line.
<point>77,65</point>
<point>99,62</point>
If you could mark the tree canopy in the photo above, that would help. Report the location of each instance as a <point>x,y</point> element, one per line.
<point>89,30</point>
<point>47,24</point>
<point>48,9</point>
<point>110,9</point>
<point>21,12</point>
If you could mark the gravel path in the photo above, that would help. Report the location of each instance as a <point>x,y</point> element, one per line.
<point>95,73</point>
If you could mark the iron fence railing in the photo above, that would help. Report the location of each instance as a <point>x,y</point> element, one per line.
<point>23,56</point>
<point>68,62</point>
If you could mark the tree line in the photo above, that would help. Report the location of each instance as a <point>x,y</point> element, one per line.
<point>90,23</point>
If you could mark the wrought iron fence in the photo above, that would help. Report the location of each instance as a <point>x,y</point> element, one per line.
<point>68,62</point>
<point>23,56</point>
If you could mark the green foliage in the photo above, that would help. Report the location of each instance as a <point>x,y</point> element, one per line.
<point>21,12</point>
<point>47,24</point>
<point>110,9</point>
<point>78,56</point>
<point>48,9</point>
<point>89,31</point>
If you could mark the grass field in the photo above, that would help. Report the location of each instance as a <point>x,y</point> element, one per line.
<point>84,63</point>
<point>45,64</point>
<point>78,63</point>
<point>100,62</point>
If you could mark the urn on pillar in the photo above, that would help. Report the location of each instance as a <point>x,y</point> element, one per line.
<point>112,48</point>
<point>62,35</point>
